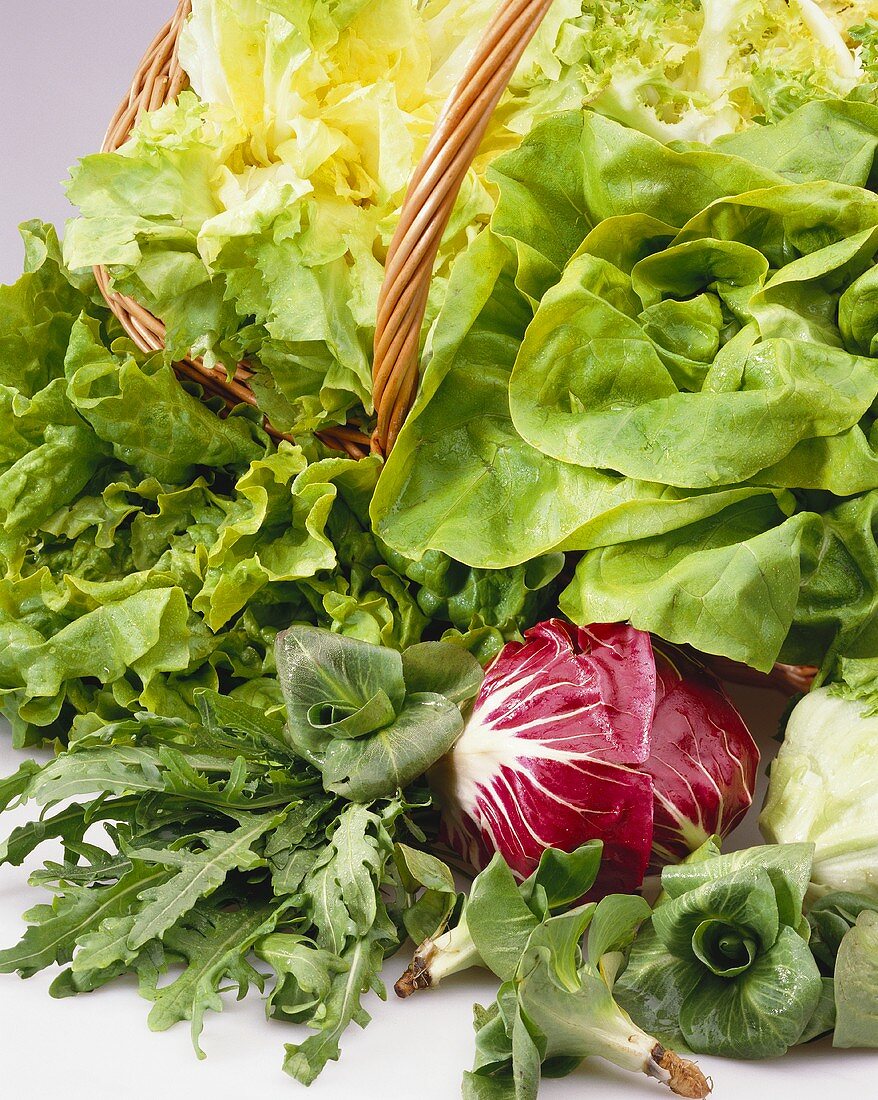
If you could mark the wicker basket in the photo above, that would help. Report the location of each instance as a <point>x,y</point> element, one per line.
<point>431,195</point>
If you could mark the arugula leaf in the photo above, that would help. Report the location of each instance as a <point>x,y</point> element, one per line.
<point>68,825</point>
<point>303,974</point>
<point>362,963</point>
<point>55,929</point>
<point>215,944</point>
<point>197,875</point>
<point>224,849</point>
<point>341,888</point>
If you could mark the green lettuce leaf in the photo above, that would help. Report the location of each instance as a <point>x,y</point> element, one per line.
<point>254,213</point>
<point>856,985</point>
<point>670,348</point>
<point>372,720</point>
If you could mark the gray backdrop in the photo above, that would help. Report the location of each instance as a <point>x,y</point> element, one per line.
<point>64,65</point>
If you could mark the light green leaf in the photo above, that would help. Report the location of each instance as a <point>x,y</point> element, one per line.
<point>440,669</point>
<point>856,985</point>
<point>566,877</point>
<point>146,416</point>
<point>682,585</point>
<point>499,920</point>
<point>825,792</point>
<point>430,912</point>
<point>615,923</point>
<point>561,936</point>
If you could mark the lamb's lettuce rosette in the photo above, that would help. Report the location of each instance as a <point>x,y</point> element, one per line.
<point>665,358</point>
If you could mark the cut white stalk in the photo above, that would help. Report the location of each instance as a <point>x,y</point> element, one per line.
<point>436,958</point>
<point>608,1032</point>
<point>628,1047</point>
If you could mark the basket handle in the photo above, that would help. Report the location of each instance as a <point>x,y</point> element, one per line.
<point>430,198</point>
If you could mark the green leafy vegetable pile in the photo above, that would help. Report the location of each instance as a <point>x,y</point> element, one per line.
<point>653,347</point>
<point>149,548</point>
<point>224,850</point>
<point>665,359</point>
<point>725,963</point>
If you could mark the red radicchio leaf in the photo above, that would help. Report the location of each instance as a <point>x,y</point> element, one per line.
<point>703,760</point>
<point>546,758</point>
<point>589,733</point>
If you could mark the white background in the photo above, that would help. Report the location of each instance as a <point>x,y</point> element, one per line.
<point>63,66</point>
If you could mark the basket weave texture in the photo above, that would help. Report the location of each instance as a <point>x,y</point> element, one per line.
<point>402,303</point>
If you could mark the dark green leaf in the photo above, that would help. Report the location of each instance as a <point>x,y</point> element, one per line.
<point>363,960</point>
<point>762,1012</point>
<point>442,669</point>
<point>321,669</point>
<point>56,929</point>
<point>655,985</point>
<point>823,1018</point>
<point>376,767</point>
<point>215,945</point>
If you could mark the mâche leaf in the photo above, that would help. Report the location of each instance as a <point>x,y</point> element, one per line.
<point>724,964</point>
<point>359,713</point>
